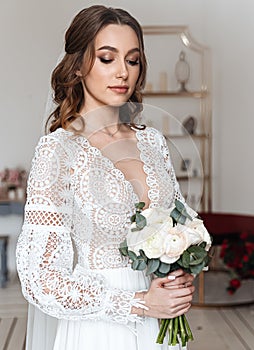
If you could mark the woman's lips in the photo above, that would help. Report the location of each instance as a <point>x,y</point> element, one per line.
<point>119,89</point>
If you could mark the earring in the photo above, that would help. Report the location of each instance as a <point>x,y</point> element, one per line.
<point>78,74</point>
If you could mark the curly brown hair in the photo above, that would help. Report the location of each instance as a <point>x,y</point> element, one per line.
<point>79,45</point>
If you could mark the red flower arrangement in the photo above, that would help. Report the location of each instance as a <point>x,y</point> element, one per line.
<point>238,256</point>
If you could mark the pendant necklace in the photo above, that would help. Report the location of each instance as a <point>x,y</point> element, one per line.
<point>109,133</point>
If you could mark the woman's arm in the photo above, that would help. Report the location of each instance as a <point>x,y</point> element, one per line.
<point>45,251</point>
<point>170,170</point>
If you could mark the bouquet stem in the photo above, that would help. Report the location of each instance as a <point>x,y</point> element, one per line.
<point>175,331</point>
<point>163,330</point>
<point>187,327</point>
<point>171,329</point>
<point>178,329</point>
<point>182,331</point>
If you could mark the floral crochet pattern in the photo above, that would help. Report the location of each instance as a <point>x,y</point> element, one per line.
<point>77,213</point>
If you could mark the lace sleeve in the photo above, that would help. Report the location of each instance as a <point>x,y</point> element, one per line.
<point>45,251</point>
<point>170,169</point>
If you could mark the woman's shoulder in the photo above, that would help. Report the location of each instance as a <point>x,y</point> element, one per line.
<point>59,135</point>
<point>151,135</point>
<point>57,140</point>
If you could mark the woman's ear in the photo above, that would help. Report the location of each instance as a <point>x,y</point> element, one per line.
<point>78,73</point>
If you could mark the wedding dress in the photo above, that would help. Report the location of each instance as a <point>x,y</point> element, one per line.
<point>79,288</point>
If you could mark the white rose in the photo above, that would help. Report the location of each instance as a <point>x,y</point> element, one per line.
<point>198,233</point>
<point>135,239</point>
<point>155,218</point>
<point>153,246</point>
<point>194,235</point>
<point>175,243</point>
<point>156,215</point>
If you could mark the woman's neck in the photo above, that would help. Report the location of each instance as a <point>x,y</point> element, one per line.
<point>106,117</point>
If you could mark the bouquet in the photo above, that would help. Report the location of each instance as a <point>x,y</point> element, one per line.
<point>238,256</point>
<point>161,241</point>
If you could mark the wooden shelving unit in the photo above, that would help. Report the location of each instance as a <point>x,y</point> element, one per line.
<point>198,94</point>
<point>191,94</point>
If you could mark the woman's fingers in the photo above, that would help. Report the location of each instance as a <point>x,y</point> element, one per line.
<point>182,309</point>
<point>170,301</point>
<point>177,273</point>
<point>183,283</point>
<point>178,277</point>
<point>180,280</point>
<point>186,292</point>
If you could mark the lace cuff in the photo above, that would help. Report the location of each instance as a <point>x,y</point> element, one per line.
<point>118,304</point>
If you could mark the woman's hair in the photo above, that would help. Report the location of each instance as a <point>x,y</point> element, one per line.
<point>79,45</point>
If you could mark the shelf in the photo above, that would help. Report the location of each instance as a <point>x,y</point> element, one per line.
<point>8,201</point>
<point>195,101</point>
<point>192,94</point>
<point>8,207</point>
<point>182,136</point>
<point>187,178</point>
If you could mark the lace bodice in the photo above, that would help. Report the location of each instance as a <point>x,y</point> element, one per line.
<point>77,212</point>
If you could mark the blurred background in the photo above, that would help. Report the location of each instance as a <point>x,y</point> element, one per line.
<point>32,34</point>
<point>32,38</point>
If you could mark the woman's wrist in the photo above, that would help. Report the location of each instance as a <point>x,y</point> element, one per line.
<point>139,306</point>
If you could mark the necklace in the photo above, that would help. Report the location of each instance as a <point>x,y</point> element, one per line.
<point>109,133</point>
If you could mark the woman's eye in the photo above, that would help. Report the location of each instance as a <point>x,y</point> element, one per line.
<point>105,60</point>
<point>133,62</point>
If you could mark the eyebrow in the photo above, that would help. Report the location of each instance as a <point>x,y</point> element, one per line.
<point>113,49</point>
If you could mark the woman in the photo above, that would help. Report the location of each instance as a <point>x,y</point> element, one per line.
<point>86,176</point>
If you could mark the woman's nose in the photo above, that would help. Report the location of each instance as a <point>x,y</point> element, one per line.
<point>122,71</point>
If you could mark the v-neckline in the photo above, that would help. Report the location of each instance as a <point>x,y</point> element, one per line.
<point>112,165</point>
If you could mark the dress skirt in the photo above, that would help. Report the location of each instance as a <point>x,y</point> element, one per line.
<point>47,333</point>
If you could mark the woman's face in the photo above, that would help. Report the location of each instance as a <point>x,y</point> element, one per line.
<point>115,71</point>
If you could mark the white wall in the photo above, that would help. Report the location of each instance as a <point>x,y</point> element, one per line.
<point>230,34</point>
<point>31,36</point>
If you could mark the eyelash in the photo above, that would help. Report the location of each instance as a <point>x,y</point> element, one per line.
<point>108,61</point>
<point>104,60</point>
<point>133,63</point>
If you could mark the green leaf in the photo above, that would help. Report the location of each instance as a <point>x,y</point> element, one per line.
<point>134,264</point>
<point>179,261</point>
<point>176,266</point>
<point>123,248</point>
<point>197,268</point>
<point>197,251</point>
<point>152,266</point>
<point>179,213</point>
<point>164,268</point>
<point>177,216</point>
<point>141,252</point>
<point>135,229</point>
<point>133,218</point>
<point>160,274</point>
<point>179,205</point>
<point>132,255</point>
<point>202,245</point>
<point>140,205</point>
<point>185,259</point>
<point>140,221</point>
<point>196,262</point>
<point>142,265</point>
<point>182,209</point>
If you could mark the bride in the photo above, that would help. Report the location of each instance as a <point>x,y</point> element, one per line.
<point>88,172</point>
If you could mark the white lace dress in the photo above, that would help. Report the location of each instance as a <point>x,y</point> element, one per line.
<point>80,289</point>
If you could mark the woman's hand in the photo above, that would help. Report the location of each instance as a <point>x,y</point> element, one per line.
<point>167,297</point>
<point>179,279</point>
